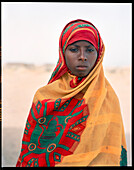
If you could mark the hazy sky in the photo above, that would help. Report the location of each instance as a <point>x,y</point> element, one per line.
<point>31,30</point>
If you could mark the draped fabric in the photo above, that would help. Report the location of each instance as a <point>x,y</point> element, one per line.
<point>75,121</point>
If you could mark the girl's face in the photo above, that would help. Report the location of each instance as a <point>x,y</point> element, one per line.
<point>80,57</point>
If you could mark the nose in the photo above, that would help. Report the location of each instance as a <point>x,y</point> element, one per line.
<point>82,56</point>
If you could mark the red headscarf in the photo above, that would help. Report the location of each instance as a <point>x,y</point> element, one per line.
<point>86,35</point>
<point>74,31</point>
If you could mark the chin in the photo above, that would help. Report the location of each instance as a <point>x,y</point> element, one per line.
<point>82,75</point>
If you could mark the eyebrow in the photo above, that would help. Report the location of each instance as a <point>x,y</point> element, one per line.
<point>84,46</point>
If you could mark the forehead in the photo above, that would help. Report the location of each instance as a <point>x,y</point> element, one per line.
<point>82,43</point>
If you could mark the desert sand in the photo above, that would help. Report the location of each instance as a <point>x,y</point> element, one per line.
<point>19,84</point>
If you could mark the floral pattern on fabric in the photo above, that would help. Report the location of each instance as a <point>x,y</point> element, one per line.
<point>52,132</point>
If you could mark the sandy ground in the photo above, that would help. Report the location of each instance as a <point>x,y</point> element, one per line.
<point>19,84</point>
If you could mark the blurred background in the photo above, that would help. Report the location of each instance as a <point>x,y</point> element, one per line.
<point>30,42</point>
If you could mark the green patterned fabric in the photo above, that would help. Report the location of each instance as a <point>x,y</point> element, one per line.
<point>123,161</point>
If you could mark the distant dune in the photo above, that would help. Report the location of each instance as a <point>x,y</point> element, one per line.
<point>19,84</point>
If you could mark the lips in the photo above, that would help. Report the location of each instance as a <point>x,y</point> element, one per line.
<point>81,67</point>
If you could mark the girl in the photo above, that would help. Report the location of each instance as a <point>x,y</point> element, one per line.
<point>75,120</point>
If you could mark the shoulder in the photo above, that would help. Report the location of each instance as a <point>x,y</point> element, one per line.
<point>39,94</point>
<point>112,98</point>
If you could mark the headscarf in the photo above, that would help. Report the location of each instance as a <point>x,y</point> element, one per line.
<point>75,121</point>
<point>74,31</point>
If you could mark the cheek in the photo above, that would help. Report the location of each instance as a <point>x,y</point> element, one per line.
<point>69,64</point>
<point>69,59</point>
<point>93,58</point>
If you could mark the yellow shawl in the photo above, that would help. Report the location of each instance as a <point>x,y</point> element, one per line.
<point>103,138</point>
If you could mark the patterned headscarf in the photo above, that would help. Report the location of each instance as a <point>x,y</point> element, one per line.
<point>74,31</point>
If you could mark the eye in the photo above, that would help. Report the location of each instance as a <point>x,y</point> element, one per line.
<point>90,50</point>
<point>74,50</point>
